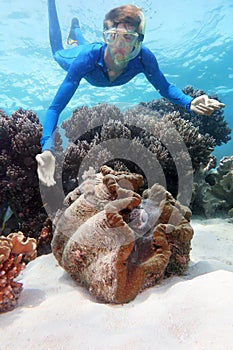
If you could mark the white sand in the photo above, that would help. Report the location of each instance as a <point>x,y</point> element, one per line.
<point>194,311</point>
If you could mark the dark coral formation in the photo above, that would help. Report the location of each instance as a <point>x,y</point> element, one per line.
<point>214,126</point>
<point>148,136</point>
<point>15,251</point>
<point>117,243</point>
<point>20,142</point>
<point>169,130</point>
<point>213,189</point>
<point>19,185</point>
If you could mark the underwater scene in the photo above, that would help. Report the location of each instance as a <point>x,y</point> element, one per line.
<point>116,174</point>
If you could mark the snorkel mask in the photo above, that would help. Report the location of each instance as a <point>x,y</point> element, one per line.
<point>129,38</point>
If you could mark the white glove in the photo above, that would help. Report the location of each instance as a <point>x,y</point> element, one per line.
<point>46,168</point>
<point>204,105</point>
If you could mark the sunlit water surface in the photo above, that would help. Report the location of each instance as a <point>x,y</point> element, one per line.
<point>192,40</point>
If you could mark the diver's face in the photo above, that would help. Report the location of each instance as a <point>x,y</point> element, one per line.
<point>121,42</point>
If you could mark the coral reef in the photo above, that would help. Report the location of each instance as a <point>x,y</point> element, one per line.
<point>19,185</point>
<point>99,124</point>
<point>214,126</point>
<point>213,189</point>
<point>15,252</point>
<point>152,131</point>
<point>115,242</point>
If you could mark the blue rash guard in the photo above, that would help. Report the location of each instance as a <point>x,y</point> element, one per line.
<point>88,62</point>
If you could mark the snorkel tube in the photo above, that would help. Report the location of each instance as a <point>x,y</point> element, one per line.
<point>138,44</point>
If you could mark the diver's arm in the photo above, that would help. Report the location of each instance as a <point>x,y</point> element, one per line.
<point>62,98</point>
<point>83,63</point>
<point>200,105</point>
<point>46,160</point>
<point>158,80</point>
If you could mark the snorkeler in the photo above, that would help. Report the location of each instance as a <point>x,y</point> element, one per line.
<point>112,63</point>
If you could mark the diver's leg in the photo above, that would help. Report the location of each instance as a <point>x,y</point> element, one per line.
<point>54,28</point>
<point>63,57</point>
<point>75,36</point>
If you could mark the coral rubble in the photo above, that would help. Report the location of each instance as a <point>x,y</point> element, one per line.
<point>115,242</point>
<point>15,251</point>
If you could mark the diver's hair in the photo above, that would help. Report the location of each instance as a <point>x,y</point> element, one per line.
<point>129,14</point>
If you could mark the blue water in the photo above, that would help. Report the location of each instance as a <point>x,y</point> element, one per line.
<point>192,40</point>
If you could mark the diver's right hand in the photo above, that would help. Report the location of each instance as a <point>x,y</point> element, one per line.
<point>46,168</point>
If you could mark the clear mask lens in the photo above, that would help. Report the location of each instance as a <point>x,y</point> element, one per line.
<point>128,38</point>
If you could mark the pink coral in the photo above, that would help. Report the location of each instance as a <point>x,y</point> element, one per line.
<point>13,249</point>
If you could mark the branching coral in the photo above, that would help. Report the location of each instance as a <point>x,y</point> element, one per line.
<point>117,243</point>
<point>18,182</point>
<point>19,186</point>
<point>215,126</point>
<point>145,136</point>
<point>15,250</point>
<point>164,131</point>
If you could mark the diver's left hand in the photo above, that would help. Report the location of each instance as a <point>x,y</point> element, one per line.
<point>204,105</point>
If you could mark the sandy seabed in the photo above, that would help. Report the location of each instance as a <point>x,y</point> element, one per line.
<point>194,311</point>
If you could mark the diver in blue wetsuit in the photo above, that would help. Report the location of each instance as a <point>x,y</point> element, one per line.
<point>106,64</point>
